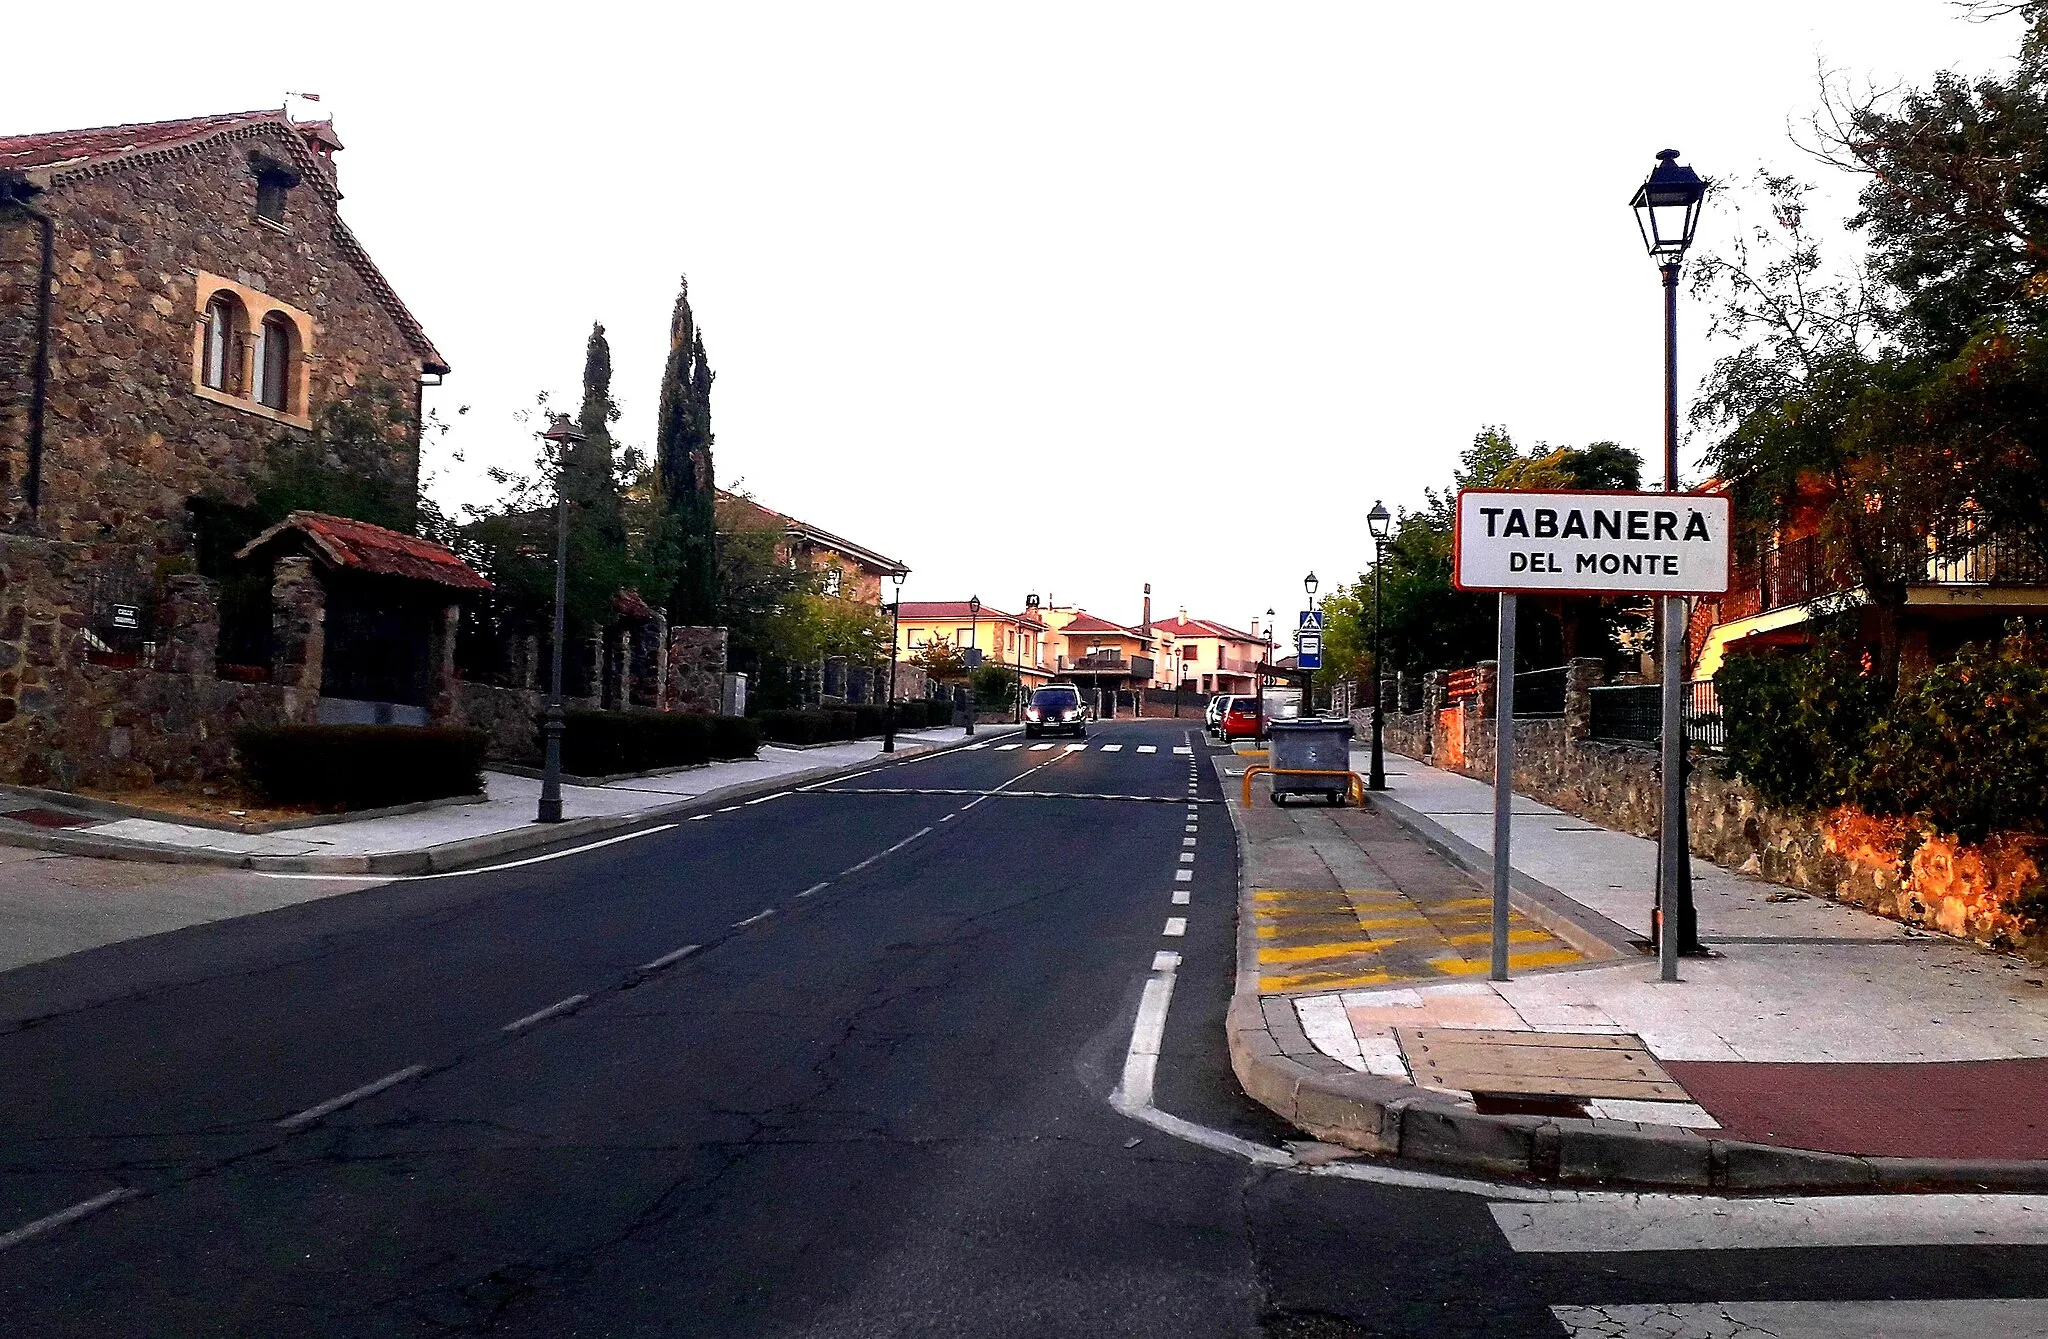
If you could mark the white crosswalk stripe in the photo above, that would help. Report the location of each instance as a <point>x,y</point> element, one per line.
<point>1148,748</point>
<point>1182,748</point>
<point>1112,748</point>
<point>1604,1223</point>
<point>1040,748</point>
<point>1077,748</point>
<point>1005,748</point>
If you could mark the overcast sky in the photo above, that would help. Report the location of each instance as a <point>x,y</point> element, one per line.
<point>1061,298</point>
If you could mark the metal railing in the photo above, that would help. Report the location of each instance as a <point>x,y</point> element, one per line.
<point>1461,684</point>
<point>1540,693</point>
<point>1795,571</point>
<point>1634,714</point>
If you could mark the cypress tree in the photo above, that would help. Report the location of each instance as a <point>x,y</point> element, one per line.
<point>683,460</point>
<point>588,471</point>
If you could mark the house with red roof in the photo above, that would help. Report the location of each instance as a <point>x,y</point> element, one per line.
<point>1210,656</point>
<point>1021,641</point>
<point>181,302</point>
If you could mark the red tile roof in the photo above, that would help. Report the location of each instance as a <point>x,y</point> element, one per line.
<point>742,512</point>
<point>1204,627</point>
<point>1090,623</point>
<point>371,548</point>
<point>958,609</point>
<point>57,158</point>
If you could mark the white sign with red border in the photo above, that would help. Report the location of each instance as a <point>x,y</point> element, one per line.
<point>1591,543</point>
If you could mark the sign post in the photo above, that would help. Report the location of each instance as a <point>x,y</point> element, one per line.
<point>1563,543</point>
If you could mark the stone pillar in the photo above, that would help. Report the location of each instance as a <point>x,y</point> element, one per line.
<point>650,663</point>
<point>444,703</point>
<point>814,682</point>
<point>1489,690</point>
<point>834,683</point>
<point>858,680</point>
<point>1388,694</point>
<point>593,658</point>
<point>1582,674</point>
<point>696,669</point>
<point>522,669</point>
<point>618,686</point>
<point>191,625</point>
<point>298,634</point>
<point>1433,698</point>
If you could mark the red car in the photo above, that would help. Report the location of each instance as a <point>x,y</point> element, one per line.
<point>1241,718</point>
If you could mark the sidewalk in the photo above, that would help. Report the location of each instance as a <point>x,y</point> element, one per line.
<point>1819,1045</point>
<point>439,838</point>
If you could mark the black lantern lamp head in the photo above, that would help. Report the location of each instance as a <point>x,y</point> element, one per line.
<point>974,604</point>
<point>897,577</point>
<point>1667,207</point>
<point>1379,520</point>
<point>563,432</point>
<point>1309,584</point>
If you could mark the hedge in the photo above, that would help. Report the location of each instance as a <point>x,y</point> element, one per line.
<point>1963,747</point>
<point>340,767</point>
<point>605,743</point>
<point>815,725</point>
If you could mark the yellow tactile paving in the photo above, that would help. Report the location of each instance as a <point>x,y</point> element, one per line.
<point>1339,939</point>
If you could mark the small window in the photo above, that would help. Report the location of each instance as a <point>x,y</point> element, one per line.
<point>276,360</point>
<point>220,358</point>
<point>274,180</point>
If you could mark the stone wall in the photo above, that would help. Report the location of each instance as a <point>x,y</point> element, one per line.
<point>696,669</point>
<point>1893,867</point>
<point>127,437</point>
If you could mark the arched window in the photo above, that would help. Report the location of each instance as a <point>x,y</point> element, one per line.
<point>220,364</point>
<point>276,360</point>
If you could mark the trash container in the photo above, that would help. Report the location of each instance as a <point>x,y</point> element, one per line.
<point>1313,744</point>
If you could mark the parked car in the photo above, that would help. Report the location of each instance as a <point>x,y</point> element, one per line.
<point>1056,708</point>
<point>1241,720</point>
<point>1212,715</point>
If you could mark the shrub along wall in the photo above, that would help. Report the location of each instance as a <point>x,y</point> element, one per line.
<point>339,767</point>
<point>604,743</point>
<point>1901,865</point>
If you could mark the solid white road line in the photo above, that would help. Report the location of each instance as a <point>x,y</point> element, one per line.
<point>64,1217</point>
<point>763,799</point>
<point>674,956</point>
<point>761,915</point>
<point>1180,896</point>
<point>1614,1222</point>
<point>1914,1319</point>
<point>1184,876</point>
<point>555,1010</point>
<point>487,869</point>
<point>313,1114</point>
<point>1141,1061</point>
<point>1176,927</point>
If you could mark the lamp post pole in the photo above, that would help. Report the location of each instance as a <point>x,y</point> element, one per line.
<point>973,644</point>
<point>895,638</point>
<point>1308,676</point>
<point>1667,207</point>
<point>564,435</point>
<point>1378,521</point>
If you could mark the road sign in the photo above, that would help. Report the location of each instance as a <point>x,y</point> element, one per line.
<point>1591,543</point>
<point>1311,620</point>
<point>1308,650</point>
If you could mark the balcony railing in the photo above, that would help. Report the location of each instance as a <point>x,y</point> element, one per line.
<point>1098,660</point>
<point>1796,571</point>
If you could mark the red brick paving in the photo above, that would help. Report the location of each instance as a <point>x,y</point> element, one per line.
<point>1958,1109</point>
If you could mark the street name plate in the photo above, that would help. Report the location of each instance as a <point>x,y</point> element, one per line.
<point>1591,543</point>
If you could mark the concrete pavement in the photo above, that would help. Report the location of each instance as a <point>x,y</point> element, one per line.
<point>1819,1045</point>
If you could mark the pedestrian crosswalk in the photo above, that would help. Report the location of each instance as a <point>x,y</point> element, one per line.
<point>1601,1224</point>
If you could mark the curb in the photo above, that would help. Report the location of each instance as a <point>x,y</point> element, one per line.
<point>1281,1069</point>
<point>446,857</point>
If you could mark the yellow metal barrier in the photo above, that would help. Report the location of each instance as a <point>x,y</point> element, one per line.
<point>1354,793</point>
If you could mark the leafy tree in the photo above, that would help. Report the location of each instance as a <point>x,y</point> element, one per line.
<point>995,685</point>
<point>683,460</point>
<point>941,660</point>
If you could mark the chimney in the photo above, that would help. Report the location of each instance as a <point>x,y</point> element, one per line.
<point>1147,629</point>
<point>321,139</point>
<point>1183,614</point>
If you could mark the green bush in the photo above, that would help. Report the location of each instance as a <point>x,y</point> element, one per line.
<point>340,767</point>
<point>1798,726</point>
<point>604,743</point>
<point>995,686</point>
<point>1966,745</point>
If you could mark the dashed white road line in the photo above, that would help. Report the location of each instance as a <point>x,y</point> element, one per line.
<point>759,916</point>
<point>313,1114</point>
<point>1176,926</point>
<point>1183,876</point>
<point>818,887</point>
<point>1180,897</point>
<point>555,1010</point>
<point>1187,857</point>
<point>486,869</point>
<point>763,799</point>
<point>698,818</point>
<point>730,808</point>
<point>674,956</point>
<point>1188,841</point>
<point>65,1217</point>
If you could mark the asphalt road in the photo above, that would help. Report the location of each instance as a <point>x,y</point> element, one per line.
<point>873,1100</point>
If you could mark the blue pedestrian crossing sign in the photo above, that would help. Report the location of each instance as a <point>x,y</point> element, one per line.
<point>1308,649</point>
<point>1311,620</point>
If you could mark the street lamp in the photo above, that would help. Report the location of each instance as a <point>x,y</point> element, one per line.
<point>973,645</point>
<point>1308,678</point>
<point>895,638</point>
<point>1017,688</point>
<point>1667,207</point>
<point>564,435</point>
<point>1379,522</point>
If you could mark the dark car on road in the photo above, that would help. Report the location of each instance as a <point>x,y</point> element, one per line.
<point>1055,709</point>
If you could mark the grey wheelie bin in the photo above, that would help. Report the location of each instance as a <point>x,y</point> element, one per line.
<point>1311,743</point>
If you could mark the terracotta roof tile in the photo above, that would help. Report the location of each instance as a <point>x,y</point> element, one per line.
<point>916,609</point>
<point>63,148</point>
<point>1090,623</point>
<point>371,548</point>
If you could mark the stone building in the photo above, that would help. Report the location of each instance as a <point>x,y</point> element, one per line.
<point>179,301</point>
